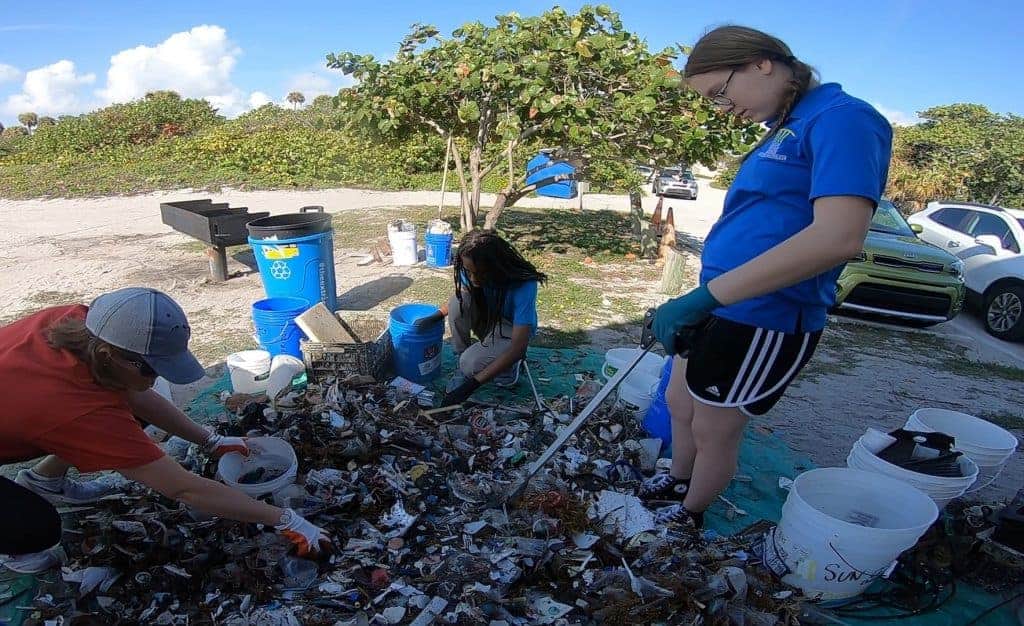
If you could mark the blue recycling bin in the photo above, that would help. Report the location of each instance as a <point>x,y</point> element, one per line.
<point>295,256</point>
<point>543,166</point>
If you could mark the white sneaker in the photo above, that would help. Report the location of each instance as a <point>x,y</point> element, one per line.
<point>65,490</point>
<point>35,562</point>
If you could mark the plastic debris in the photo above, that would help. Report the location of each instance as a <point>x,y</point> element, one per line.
<point>414,499</point>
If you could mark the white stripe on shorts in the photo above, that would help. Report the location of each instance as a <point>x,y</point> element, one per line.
<point>743,368</point>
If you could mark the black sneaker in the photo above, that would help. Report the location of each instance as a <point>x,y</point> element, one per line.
<point>664,487</point>
<point>678,514</point>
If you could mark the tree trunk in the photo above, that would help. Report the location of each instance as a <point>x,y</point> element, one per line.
<point>468,216</point>
<point>491,221</point>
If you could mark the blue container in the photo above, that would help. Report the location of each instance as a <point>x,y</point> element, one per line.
<point>295,256</point>
<point>657,420</point>
<point>274,319</point>
<point>542,167</point>
<point>417,353</point>
<point>439,249</point>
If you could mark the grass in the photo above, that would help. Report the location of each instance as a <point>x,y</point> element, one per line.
<point>977,369</point>
<point>584,255</point>
<point>1005,419</point>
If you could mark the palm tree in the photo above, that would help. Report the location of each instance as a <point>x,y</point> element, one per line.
<point>30,120</point>
<point>296,98</point>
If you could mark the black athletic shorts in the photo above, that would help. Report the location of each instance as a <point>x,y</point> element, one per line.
<point>736,365</point>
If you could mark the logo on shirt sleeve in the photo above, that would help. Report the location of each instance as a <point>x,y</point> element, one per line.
<point>772,151</point>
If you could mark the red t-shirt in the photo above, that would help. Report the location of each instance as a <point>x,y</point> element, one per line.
<point>52,405</point>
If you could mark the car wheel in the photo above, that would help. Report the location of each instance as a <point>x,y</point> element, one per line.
<point>1003,313</point>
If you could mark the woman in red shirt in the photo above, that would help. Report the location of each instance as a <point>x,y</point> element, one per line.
<point>75,379</point>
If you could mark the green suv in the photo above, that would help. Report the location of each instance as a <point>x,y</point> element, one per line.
<point>899,275</point>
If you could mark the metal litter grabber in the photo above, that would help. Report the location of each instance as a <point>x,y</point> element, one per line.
<point>647,341</point>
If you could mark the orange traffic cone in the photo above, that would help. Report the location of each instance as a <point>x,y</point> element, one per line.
<point>656,218</point>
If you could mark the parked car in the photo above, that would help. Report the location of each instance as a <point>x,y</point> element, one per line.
<point>646,172</point>
<point>988,239</point>
<point>676,181</point>
<point>898,275</point>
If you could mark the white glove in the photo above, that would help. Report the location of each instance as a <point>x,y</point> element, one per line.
<point>306,536</point>
<point>217,445</point>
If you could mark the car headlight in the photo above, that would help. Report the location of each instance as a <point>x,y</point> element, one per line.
<point>956,268</point>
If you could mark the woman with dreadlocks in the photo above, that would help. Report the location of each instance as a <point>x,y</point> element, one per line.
<point>496,300</point>
<point>798,209</point>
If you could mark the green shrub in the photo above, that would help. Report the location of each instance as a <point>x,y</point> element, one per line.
<point>160,115</point>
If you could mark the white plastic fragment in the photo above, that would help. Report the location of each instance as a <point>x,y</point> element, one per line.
<point>430,613</point>
<point>622,514</point>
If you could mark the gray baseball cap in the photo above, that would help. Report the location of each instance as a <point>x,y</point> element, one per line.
<point>149,323</point>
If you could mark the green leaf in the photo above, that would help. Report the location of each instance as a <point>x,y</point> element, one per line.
<point>576,27</point>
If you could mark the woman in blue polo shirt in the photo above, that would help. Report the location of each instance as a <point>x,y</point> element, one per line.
<point>799,208</point>
<point>496,300</point>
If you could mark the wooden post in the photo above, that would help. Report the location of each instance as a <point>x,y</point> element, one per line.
<point>668,236</point>
<point>672,275</point>
<point>656,218</point>
<point>218,263</point>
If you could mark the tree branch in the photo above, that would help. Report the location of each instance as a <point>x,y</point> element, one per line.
<point>526,134</point>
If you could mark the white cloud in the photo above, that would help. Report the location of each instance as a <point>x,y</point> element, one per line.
<point>897,118</point>
<point>50,90</point>
<point>196,64</point>
<point>8,73</point>
<point>258,99</point>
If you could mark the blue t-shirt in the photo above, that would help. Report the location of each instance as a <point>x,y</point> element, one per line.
<point>831,145</point>
<point>520,305</point>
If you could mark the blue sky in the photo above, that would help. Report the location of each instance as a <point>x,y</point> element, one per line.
<point>63,57</point>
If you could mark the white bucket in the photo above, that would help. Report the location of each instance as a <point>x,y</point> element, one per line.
<point>638,390</point>
<point>617,358</point>
<point>283,369</point>
<point>941,489</point>
<point>988,445</point>
<point>842,528</point>
<point>403,246</point>
<point>249,370</point>
<point>271,454</point>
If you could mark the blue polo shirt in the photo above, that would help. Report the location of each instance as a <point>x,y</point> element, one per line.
<point>831,145</point>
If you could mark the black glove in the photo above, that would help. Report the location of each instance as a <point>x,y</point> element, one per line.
<point>428,320</point>
<point>462,392</point>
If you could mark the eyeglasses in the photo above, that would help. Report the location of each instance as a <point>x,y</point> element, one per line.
<point>140,364</point>
<point>720,99</point>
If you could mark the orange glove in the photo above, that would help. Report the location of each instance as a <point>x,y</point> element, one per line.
<point>306,537</point>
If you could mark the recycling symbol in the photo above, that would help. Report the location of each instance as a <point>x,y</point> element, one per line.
<point>280,270</point>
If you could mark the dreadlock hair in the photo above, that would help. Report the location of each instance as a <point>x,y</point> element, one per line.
<point>498,267</point>
<point>733,47</point>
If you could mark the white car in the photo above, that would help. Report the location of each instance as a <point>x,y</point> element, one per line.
<point>989,240</point>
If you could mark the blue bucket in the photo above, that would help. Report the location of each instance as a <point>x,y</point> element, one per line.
<point>417,353</point>
<point>274,319</point>
<point>295,256</point>
<point>658,420</point>
<point>439,249</point>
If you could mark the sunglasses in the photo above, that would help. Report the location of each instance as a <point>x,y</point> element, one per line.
<point>139,363</point>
